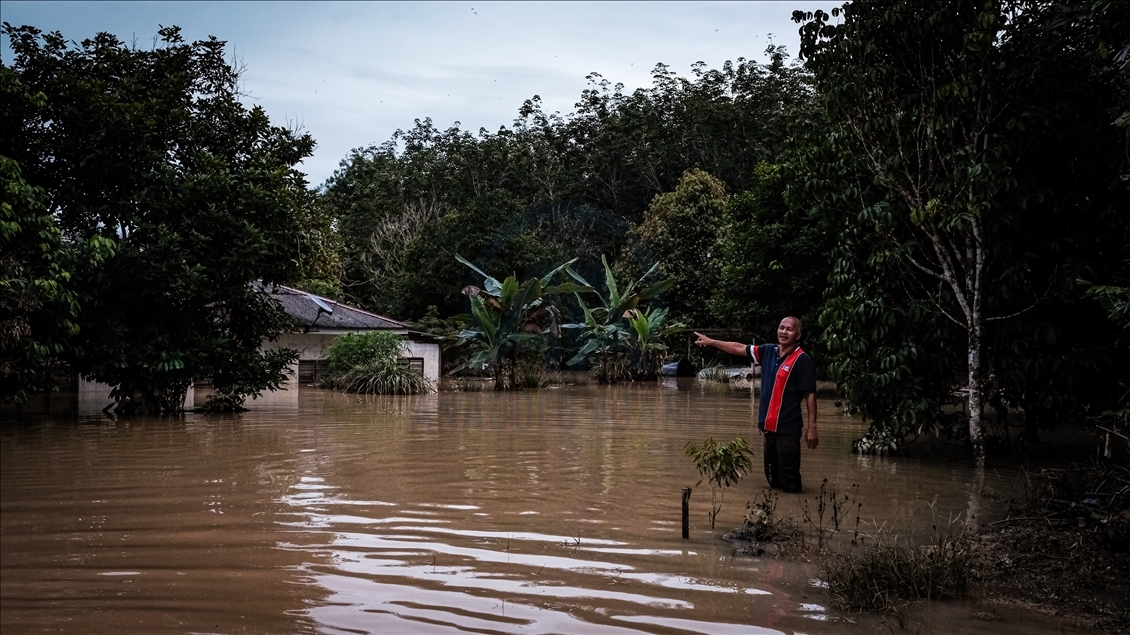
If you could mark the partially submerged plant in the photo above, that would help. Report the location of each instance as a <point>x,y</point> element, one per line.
<point>506,316</point>
<point>610,368</point>
<point>648,331</point>
<point>721,465</point>
<point>891,572</point>
<point>830,510</point>
<point>763,525</point>
<point>370,363</point>
<point>617,324</point>
<point>380,379</point>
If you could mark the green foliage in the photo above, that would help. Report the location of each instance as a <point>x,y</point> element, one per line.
<point>649,330</point>
<point>369,363</point>
<point>1115,301</point>
<point>326,288</point>
<point>605,332</point>
<point>352,350</point>
<point>680,229</point>
<point>405,206</point>
<point>963,167</point>
<point>773,261</point>
<point>319,251</point>
<point>38,307</point>
<point>721,465</point>
<point>505,315</point>
<point>153,152</point>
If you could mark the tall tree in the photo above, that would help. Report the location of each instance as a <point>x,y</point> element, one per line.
<point>680,228</point>
<point>961,174</point>
<point>152,149</point>
<point>772,260</point>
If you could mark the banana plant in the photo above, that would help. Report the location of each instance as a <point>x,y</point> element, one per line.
<point>604,332</point>
<point>506,314</point>
<point>649,329</point>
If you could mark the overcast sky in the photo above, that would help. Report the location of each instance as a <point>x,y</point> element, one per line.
<point>352,73</point>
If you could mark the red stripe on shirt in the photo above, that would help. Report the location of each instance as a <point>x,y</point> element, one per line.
<point>783,372</point>
<point>755,353</point>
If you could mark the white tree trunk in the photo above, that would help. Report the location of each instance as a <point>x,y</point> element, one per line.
<point>976,402</point>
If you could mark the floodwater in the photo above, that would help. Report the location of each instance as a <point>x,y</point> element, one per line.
<point>555,511</point>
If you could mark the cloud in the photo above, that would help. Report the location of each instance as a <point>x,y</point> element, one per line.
<point>353,73</point>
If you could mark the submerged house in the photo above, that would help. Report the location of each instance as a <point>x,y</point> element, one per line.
<point>319,321</point>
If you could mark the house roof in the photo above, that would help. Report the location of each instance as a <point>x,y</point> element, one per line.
<point>303,308</point>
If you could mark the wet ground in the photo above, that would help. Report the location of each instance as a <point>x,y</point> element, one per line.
<point>548,511</point>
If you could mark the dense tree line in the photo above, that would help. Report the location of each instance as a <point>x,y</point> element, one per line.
<point>938,189</point>
<point>552,187</point>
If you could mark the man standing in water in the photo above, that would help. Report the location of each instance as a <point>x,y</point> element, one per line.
<point>788,377</point>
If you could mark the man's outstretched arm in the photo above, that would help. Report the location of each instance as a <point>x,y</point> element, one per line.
<point>733,348</point>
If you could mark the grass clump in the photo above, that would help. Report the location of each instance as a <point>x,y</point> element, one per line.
<point>891,572</point>
<point>532,374</point>
<point>372,364</point>
<point>611,368</point>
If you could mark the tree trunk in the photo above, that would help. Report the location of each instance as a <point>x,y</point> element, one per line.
<point>148,397</point>
<point>714,506</point>
<point>976,401</point>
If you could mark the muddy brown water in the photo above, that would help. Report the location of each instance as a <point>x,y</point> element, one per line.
<point>555,511</point>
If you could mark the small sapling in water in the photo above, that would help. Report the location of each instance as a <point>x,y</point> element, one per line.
<point>721,465</point>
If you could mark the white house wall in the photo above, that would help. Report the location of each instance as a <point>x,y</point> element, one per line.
<point>312,346</point>
<point>431,354</point>
<point>93,396</point>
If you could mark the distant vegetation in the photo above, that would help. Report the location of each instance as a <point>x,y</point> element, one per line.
<point>938,191</point>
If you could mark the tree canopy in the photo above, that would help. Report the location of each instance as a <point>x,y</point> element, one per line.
<point>582,179</point>
<point>974,194</point>
<point>152,152</point>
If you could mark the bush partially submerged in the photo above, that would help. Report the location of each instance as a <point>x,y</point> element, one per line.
<point>379,379</point>
<point>763,527</point>
<point>372,363</point>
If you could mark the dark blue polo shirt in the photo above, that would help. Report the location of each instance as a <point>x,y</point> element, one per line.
<point>801,382</point>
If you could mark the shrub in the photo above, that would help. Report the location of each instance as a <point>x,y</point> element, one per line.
<point>370,364</point>
<point>880,577</point>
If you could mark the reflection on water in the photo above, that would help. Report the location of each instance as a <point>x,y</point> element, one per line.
<point>552,511</point>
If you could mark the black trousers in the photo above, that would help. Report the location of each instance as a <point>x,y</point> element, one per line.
<point>782,461</point>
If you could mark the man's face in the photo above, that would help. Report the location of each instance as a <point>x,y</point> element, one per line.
<point>788,332</point>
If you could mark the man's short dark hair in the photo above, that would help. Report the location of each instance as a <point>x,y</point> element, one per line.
<point>799,324</point>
